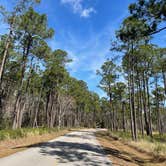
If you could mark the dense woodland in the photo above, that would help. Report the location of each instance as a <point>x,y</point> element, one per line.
<point>137,103</point>
<point>36,90</point>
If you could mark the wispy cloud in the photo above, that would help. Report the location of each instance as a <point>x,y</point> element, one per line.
<point>89,53</point>
<point>87,12</point>
<point>78,8</point>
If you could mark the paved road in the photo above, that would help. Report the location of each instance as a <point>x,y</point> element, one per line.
<point>74,149</point>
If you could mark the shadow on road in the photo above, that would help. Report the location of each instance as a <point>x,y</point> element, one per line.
<point>87,136</point>
<point>67,152</point>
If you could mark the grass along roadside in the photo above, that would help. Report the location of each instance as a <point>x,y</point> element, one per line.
<point>12,141</point>
<point>8,134</point>
<point>155,145</point>
<point>122,151</point>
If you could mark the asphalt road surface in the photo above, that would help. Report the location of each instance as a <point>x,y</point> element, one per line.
<point>78,148</point>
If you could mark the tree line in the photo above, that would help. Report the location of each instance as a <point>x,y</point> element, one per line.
<point>137,86</point>
<point>37,90</point>
<point>35,87</point>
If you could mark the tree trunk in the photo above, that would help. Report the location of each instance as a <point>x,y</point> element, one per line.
<point>18,97</point>
<point>123,114</point>
<point>35,123</point>
<point>149,108</point>
<point>132,94</point>
<point>131,112</point>
<point>159,122</point>
<point>164,79</point>
<point>8,40</point>
<point>141,108</point>
<point>145,107</point>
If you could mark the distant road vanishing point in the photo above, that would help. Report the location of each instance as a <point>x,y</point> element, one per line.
<point>79,148</point>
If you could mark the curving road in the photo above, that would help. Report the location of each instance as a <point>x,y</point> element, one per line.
<point>74,149</point>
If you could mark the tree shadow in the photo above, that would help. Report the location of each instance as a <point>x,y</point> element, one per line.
<point>70,152</point>
<point>76,153</point>
<point>83,136</point>
<point>129,157</point>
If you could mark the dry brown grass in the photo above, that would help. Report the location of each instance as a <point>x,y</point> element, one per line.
<point>128,154</point>
<point>8,147</point>
<point>150,147</point>
<point>155,145</point>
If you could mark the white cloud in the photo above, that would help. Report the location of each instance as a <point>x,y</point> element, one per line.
<point>87,12</point>
<point>88,53</point>
<point>77,7</point>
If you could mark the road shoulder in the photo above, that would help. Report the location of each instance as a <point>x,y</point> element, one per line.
<point>8,147</point>
<point>122,154</point>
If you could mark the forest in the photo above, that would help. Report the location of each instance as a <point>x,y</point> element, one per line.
<point>36,89</point>
<point>138,103</point>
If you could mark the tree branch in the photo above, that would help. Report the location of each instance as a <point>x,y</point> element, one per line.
<point>157,31</point>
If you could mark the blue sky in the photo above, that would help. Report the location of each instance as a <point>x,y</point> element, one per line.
<point>84,29</point>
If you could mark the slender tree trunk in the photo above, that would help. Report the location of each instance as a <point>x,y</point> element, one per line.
<point>30,75</point>
<point>133,107</point>
<point>138,107</point>
<point>141,108</point>
<point>18,97</point>
<point>149,108</point>
<point>35,123</point>
<point>48,105</point>
<point>16,113</point>
<point>2,66</point>
<point>51,112</point>
<point>159,122</point>
<point>131,112</point>
<point>21,114</point>
<point>59,115</point>
<point>94,118</point>
<point>113,117</point>
<point>59,118</point>
<point>133,94</point>
<point>111,110</point>
<point>164,79</point>
<point>123,114</point>
<point>7,46</point>
<point>145,107</point>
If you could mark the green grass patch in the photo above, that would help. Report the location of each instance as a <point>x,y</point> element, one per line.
<point>24,132</point>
